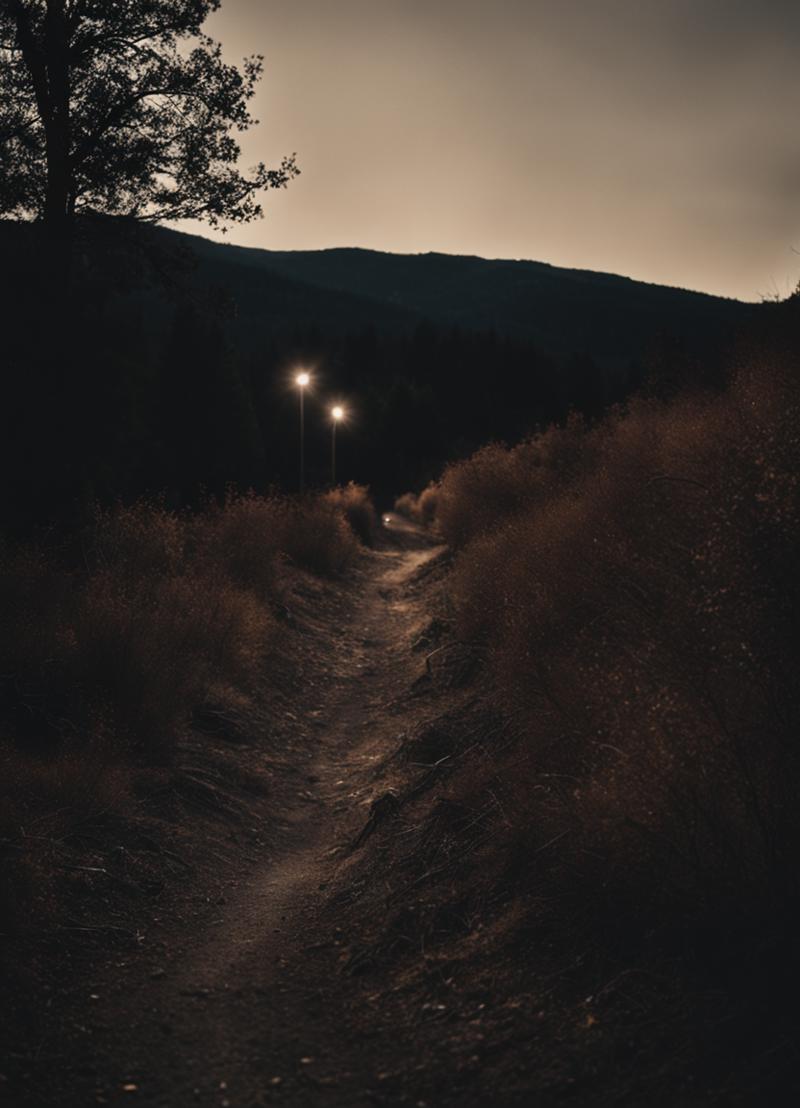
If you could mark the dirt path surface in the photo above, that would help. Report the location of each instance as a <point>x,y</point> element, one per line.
<point>312,911</point>
<point>243,1002</point>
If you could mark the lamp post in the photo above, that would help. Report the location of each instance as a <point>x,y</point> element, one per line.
<point>302,380</point>
<point>337,415</point>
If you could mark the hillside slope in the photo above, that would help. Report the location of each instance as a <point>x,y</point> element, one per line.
<point>177,374</point>
<point>561,310</point>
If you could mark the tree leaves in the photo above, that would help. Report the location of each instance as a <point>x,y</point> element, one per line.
<point>152,113</point>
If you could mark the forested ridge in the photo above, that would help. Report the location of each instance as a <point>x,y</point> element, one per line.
<point>166,368</point>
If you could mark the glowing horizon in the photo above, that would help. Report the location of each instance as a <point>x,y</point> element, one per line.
<point>624,136</point>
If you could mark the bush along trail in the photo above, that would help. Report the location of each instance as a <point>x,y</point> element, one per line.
<point>298,915</point>
<point>511,820</point>
<point>210,941</point>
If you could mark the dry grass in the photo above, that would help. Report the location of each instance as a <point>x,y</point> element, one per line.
<point>104,664</point>
<point>319,538</point>
<point>354,502</point>
<point>478,495</point>
<point>633,587</point>
<point>420,509</point>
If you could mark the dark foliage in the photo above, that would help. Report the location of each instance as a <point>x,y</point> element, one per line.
<point>632,589</point>
<point>126,109</point>
<point>164,373</point>
<point>116,641</point>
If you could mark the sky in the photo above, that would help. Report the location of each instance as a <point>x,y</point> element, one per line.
<point>658,139</point>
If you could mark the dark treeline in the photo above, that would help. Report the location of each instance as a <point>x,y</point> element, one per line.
<point>135,379</point>
<point>423,398</point>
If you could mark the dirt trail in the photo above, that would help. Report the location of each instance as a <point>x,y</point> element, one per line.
<point>247,1011</point>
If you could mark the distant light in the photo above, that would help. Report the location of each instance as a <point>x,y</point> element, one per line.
<point>387,520</point>
<point>337,413</point>
<point>302,379</point>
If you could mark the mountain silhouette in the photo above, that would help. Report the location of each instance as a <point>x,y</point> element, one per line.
<point>560,310</point>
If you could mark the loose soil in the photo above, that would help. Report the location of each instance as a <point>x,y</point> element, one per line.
<point>235,988</point>
<point>297,916</point>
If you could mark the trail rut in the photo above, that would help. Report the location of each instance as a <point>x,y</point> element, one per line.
<point>246,1010</point>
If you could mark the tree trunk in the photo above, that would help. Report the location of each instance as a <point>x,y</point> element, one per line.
<point>46,56</point>
<point>45,51</point>
<point>57,135</point>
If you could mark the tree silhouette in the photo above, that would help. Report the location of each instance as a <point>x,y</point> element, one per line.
<point>123,107</point>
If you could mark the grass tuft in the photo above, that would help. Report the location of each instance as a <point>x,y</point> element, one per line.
<point>106,661</point>
<point>633,589</point>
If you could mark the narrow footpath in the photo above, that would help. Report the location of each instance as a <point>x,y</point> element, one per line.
<point>247,1010</point>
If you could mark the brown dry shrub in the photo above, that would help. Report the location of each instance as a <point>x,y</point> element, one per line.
<point>406,505</point>
<point>147,661</point>
<point>420,508</point>
<point>123,652</point>
<point>637,608</point>
<point>246,537</point>
<point>168,611</point>
<point>477,495</point>
<point>318,537</point>
<point>162,618</point>
<point>103,666</point>
<point>428,504</point>
<point>242,539</point>
<point>141,540</point>
<point>355,504</point>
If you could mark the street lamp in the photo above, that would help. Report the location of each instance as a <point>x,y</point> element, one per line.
<point>337,415</point>
<point>302,380</point>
